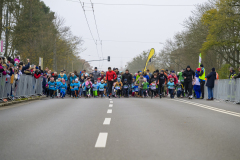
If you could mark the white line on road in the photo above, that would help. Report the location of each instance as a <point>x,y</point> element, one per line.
<point>110,105</point>
<point>109,111</point>
<point>102,140</point>
<point>107,121</point>
<point>111,101</point>
<point>210,108</point>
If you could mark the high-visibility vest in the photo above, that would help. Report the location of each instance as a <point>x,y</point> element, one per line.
<point>202,77</point>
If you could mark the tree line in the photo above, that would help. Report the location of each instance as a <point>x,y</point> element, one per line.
<point>31,30</point>
<point>213,29</point>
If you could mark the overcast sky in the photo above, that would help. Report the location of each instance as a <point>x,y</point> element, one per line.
<point>123,23</point>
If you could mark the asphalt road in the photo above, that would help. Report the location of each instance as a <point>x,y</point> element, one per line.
<point>134,129</point>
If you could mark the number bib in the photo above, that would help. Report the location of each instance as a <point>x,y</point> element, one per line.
<point>101,89</point>
<point>125,86</point>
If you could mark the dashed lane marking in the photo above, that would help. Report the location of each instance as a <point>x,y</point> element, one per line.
<point>110,105</point>
<point>109,111</point>
<point>107,121</point>
<point>209,107</point>
<point>111,101</point>
<point>102,140</point>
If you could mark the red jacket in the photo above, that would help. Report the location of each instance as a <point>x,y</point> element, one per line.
<point>37,75</point>
<point>111,75</point>
<point>175,78</point>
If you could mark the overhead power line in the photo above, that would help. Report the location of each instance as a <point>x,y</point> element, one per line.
<point>87,21</point>
<point>97,28</point>
<point>124,41</point>
<point>148,5</point>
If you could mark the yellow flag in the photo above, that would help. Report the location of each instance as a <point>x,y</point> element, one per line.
<point>151,53</point>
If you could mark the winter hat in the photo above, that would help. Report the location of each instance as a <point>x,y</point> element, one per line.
<point>63,80</point>
<point>198,69</point>
<point>118,79</point>
<point>188,66</point>
<point>125,79</point>
<point>76,80</point>
<point>213,69</point>
<point>157,70</point>
<point>201,65</point>
<point>179,81</point>
<point>102,80</point>
<point>173,71</point>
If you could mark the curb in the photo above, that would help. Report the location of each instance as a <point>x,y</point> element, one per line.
<point>16,102</point>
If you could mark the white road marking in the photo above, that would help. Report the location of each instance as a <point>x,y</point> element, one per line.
<point>111,101</point>
<point>109,111</point>
<point>107,121</point>
<point>210,108</point>
<point>110,105</point>
<point>102,140</point>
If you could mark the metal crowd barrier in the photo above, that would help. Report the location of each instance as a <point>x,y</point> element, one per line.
<point>26,86</point>
<point>226,89</point>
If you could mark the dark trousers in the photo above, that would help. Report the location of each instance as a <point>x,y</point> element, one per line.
<point>51,92</point>
<point>144,92</point>
<point>171,92</point>
<point>154,92</point>
<point>110,85</point>
<point>160,89</point>
<point>118,92</point>
<point>101,93</point>
<point>179,93</point>
<point>202,84</point>
<point>188,88</point>
<point>125,92</point>
<point>141,92</point>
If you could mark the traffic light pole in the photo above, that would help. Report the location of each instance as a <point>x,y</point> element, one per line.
<point>92,61</point>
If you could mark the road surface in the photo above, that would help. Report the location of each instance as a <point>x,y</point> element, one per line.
<point>120,129</point>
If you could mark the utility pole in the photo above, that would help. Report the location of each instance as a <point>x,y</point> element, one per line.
<point>54,55</point>
<point>6,33</point>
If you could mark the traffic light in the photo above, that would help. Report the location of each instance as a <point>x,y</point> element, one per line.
<point>108,58</point>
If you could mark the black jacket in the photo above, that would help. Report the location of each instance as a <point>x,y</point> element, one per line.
<point>162,78</point>
<point>128,77</point>
<point>237,76</point>
<point>232,74</point>
<point>92,80</point>
<point>153,79</point>
<point>189,75</point>
<point>211,79</point>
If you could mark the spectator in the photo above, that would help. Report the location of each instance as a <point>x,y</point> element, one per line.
<point>237,76</point>
<point>232,73</point>
<point>46,70</point>
<point>2,69</point>
<point>202,79</point>
<point>25,67</point>
<point>210,83</point>
<point>17,59</point>
<point>37,74</point>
